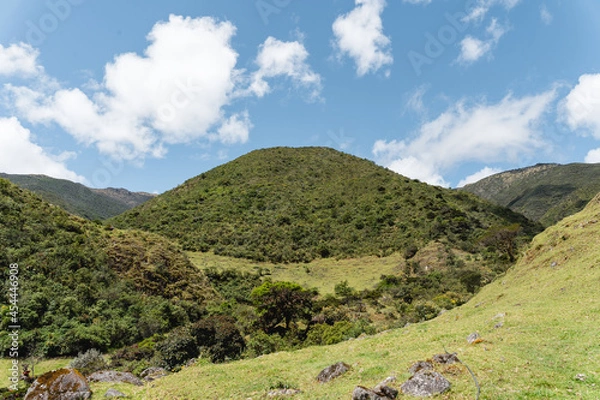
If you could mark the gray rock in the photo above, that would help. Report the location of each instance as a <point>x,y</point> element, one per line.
<point>153,373</point>
<point>114,393</point>
<point>283,392</point>
<point>474,338</point>
<point>116,377</point>
<point>425,383</point>
<point>420,365</point>
<point>445,358</point>
<point>581,377</point>
<point>332,372</point>
<point>62,384</point>
<point>362,393</point>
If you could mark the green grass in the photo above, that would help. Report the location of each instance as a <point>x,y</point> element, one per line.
<point>40,368</point>
<point>322,274</point>
<point>548,304</point>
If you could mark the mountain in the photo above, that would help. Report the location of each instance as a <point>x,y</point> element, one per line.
<point>299,204</point>
<point>538,326</point>
<point>545,192</point>
<point>83,285</point>
<point>79,199</point>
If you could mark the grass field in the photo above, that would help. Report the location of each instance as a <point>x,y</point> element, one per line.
<point>550,314</point>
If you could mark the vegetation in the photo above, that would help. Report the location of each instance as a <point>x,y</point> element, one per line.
<point>546,192</point>
<point>287,205</point>
<point>89,362</point>
<point>83,285</point>
<point>93,204</point>
<point>538,323</point>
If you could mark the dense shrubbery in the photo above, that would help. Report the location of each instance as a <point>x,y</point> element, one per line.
<point>89,362</point>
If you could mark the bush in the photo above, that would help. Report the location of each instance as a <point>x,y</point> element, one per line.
<point>177,348</point>
<point>89,362</point>
<point>260,343</point>
<point>219,337</point>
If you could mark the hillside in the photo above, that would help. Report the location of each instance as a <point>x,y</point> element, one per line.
<point>299,204</point>
<point>539,324</point>
<point>545,192</point>
<point>83,285</point>
<point>78,199</point>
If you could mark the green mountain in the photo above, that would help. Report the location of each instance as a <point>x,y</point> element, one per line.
<point>545,192</point>
<point>79,199</point>
<point>299,204</point>
<point>83,285</point>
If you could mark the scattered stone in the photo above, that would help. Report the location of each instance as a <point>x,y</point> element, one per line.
<point>420,365</point>
<point>445,358</point>
<point>499,315</point>
<point>115,377</point>
<point>425,383</point>
<point>499,325</point>
<point>581,377</point>
<point>362,393</point>
<point>153,373</point>
<point>333,371</point>
<point>114,393</point>
<point>474,338</point>
<point>190,362</point>
<point>62,384</point>
<point>553,264</point>
<point>283,392</point>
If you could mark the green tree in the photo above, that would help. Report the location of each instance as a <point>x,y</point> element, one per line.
<point>278,302</point>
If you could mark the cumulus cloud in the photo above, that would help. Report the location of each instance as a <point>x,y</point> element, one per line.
<point>482,133</point>
<point>472,49</point>
<point>581,107</point>
<point>19,60</point>
<point>481,8</point>
<point>19,155</point>
<point>285,59</point>
<point>359,35</point>
<point>593,156</point>
<point>179,90</point>
<point>479,175</point>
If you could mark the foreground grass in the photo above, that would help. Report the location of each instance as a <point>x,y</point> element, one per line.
<point>323,274</point>
<point>549,314</point>
<point>40,368</point>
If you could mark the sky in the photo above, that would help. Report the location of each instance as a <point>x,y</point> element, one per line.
<point>147,94</point>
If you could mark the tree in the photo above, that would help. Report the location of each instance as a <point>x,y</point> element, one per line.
<point>502,238</point>
<point>278,302</point>
<point>219,337</point>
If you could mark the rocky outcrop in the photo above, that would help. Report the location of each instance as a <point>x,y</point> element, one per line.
<point>380,392</point>
<point>332,372</point>
<point>62,384</point>
<point>153,373</point>
<point>425,383</point>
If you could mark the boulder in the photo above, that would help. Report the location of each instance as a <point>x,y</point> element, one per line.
<point>114,393</point>
<point>363,393</point>
<point>152,373</point>
<point>332,372</point>
<point>115,377</point>
<point>425,383</point>
<point>62,384</point>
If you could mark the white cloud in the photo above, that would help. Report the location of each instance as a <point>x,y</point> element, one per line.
<point>288,59</point>
<point>593,156</point>
<point>479,175</point>
<point>178,91</point>
<point>19,59</point>
<point>482,133</point>
<point>481,8</point>
<point>19,155</point>
<point>417,1</point>
<point>359,35</point>
<point>545,15</point>
<point>472,49</point>
<point>415,101</point>
<point>415,168</point>
<point>581,107</point>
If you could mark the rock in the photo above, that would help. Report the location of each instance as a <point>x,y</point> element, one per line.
<point>499,325</point>
<point>581,377</point>
<point>474,338</point>
<point>190,362</point>
<point>152,373</point>
<point>332,372</point>
<point>362,393</point>
<point>114,393</point>
<point>283,392</point>
<point>420,365</point>
<point>425,383</point>
<point>445,358</point>
<point>115,376</point>
<point>62,384</point>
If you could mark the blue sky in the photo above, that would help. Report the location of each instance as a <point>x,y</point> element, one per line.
<point>146,94</point>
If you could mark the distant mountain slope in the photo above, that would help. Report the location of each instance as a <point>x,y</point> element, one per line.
<point>83,285</point>
<point>545,192</point>
<point>79,199</point>
<point>298,204</point>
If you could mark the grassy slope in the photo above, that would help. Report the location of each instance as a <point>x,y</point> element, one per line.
<point>298,204</point>
<point>545,193</point>
<point>79,199</point>
<point>551,327</point>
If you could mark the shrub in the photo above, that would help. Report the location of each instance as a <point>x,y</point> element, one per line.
<point>89,362</point>
<point>177,348</point>
<point>219,337</point>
